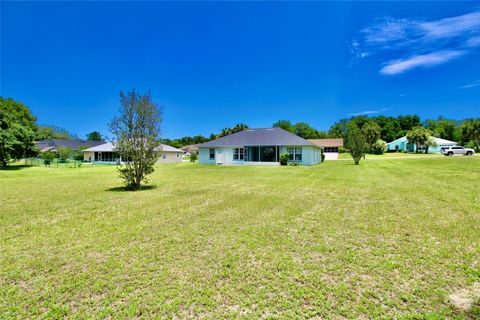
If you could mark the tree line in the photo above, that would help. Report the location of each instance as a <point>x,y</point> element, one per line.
<point>18,130</point>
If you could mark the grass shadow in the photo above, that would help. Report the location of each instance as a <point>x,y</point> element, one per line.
<point>124,189</point>
<point>14,167</point>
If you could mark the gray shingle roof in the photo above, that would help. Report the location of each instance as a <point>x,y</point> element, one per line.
<point>109,147</point>
<point>74,144</point>
<point>259,137</point>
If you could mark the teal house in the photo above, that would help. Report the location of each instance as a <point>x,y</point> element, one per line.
<point>259,147</point>
<point>402,144</point>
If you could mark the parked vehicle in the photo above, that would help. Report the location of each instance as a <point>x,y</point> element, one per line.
<point>450,151</point>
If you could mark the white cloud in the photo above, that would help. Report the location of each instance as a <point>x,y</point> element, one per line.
<point>418,43</point>
<point>471,85</point>
<point>425,60</point>
<point>452,27</point>
<point>368,112</point>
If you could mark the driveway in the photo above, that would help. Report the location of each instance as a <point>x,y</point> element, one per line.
<point>331,156</point>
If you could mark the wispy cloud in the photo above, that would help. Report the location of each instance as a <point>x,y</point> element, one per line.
<point>425,60</point>
<point>471,85</point>
<point>418,43</point>
<point>368,112</point>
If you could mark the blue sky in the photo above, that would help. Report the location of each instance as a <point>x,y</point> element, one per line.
<point>213,64</point>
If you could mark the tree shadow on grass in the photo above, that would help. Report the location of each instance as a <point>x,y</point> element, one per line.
<point>14,167</point>
<point>124,189</point>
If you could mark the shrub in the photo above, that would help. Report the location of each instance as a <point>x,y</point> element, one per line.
<point>379,147</point>
<point>293,163</point>
<point>284,159</point>
<point>48,158</point>
<point>322,156</point>
<point>472,145</point>
<point>193,157</point>
<point>64,153</point>
<point>342,150</point>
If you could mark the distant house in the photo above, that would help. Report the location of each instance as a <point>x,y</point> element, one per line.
<point>74,144</point>
<point>328,145</point>
<point>192,148</point>
<point>259,146</point>
<point>401,144</point>
<point>105,154</point>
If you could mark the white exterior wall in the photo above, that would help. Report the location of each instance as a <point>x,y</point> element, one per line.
<point>224,155</point>
<point>89,156</point>
<point>169,156</point>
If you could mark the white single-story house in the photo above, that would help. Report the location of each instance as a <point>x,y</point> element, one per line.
<point>401,144</point>
<point>259,146</point>
<point>105,154</point>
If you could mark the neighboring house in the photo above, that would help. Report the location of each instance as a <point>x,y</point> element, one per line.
<point>259,146</point>
<point>74,144</point>
<point>401,144</point>
<point>328,145</point>
<point>105,154</point>
<point>192,149</point>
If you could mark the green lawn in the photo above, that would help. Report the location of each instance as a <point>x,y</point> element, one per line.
<point>392,155</point>
<point>386,239</point>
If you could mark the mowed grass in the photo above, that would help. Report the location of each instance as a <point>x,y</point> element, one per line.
<point>386,239</point>
<point>392,155</point>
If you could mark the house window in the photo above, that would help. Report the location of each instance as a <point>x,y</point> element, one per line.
<point>238,154</point>
<point>294,153</point>
<point>178,154</point>
<point>164,156</point>
<point>212,154</point>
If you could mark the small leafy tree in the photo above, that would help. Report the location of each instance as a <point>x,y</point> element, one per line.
<point>379,147</point>
<point>284,157</point>
<point>48,157</point>
<point>193,157</point>
<point>356,143</point>
<point>371,131</point>
<point>419,136</point>
<point>64,153</point>
<point>136,130</point>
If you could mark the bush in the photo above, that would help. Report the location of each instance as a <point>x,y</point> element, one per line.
<point>48,158</point>
<point>472,145</point>
<point>342,150</point>
<point>293,163</point>
<point>322,156</point>
<point>193,157</point>
<point>64,153</point>
<point>284,159</point>
<point>379,147</point>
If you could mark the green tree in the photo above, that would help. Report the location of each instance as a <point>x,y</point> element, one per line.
<point>339,129</point>
<point>48,157</point>
<point>444,128</point>
<point>420,136</point>
<point>356,143</point>
<point>17,131</point>
<point>304,130</point>
<point>379,147</point>
<point>136,132</point>
<point>407,123</point>
<point>470,130</point>
<point>64,153</point>
<point>52,132</point>
<point>371,131</point>
<point>94,136</point>
<point>285,125</point>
